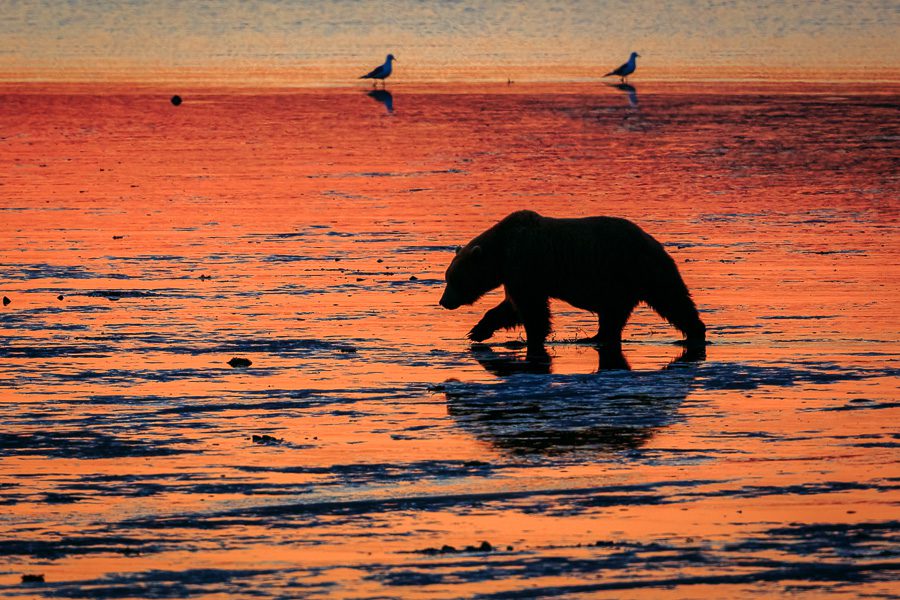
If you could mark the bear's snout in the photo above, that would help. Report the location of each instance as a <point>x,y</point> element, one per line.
<point>450,300</point>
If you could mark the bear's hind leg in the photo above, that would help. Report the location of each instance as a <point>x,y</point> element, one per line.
<point>502,316</point>
<point>612,321</point>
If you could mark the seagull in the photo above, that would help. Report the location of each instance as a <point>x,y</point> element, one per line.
<point>625,70</point>
<point>382,72</point>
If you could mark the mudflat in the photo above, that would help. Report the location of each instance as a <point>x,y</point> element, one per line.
<point>368,449</point>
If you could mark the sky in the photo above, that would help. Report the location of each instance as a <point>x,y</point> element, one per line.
<point>283,40</point>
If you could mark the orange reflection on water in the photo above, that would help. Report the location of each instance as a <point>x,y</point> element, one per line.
<point>309,232</point>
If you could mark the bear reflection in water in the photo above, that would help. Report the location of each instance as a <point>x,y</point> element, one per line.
<point>532,412</point>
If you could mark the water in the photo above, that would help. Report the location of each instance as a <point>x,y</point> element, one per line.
<point>308,232</point>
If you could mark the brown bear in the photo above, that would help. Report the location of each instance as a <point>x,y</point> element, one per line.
<point>605,265</point>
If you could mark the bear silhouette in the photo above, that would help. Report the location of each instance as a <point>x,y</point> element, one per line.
<point>606,265</point>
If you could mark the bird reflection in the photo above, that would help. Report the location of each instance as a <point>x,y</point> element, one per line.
<point>384,97</point>
<point>629,90</point>
<point>533,412</point>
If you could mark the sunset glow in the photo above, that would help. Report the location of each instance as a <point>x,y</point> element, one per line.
<point>285,214</point>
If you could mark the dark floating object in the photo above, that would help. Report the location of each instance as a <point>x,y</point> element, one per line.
<point>348,349</point>
<point>266,439</point>
<point>176,100</point>
<point>6,301</point>
<point>240,362</point>
<point>205,277</point>
<point>32,579</point>
<point>413,278</point>
<point>60,297</point>
<point>446,549</point>
<point>118,237</point>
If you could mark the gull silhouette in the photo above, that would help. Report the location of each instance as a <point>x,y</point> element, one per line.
<point>625,70</point>
<point>384,97</point>
<point>382,72</point>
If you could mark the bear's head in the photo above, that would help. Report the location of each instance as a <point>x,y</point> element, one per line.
<point>471,275</point>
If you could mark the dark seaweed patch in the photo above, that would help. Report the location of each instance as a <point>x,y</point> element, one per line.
<point>385,174</point>
<point>77,545</point>
<point>769,572</point>
<point>878,540</point>
<point>67,351</point>
<point>276,346</point>
<point>738,376</point>
<point>119,294</point>
<point>84,445</point>
<point>366,473</point>
<point>22,272</point>
<point>126,377</point>
<point>869,406</point>
<point>168,584</point>
<point>286,515</point>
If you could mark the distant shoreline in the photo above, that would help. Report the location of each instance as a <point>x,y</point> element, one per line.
<point>329,77</point>
<point>596,85</point>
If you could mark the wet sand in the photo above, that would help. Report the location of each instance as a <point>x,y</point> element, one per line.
<point>308,232</point>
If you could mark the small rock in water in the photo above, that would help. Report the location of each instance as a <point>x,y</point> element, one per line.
<point>6,301</point>
<point>118,237</point>
<point>60,297</point>
<point>266,439</point>
<point>348,349</point>
<point>176,100</point>
<point>240,362</point>
<point>381,260</point>
<point>32,579</point>
<point>413,278</point>
<point>483,547</point>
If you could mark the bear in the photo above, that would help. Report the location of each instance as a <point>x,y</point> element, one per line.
<point>606,265</point>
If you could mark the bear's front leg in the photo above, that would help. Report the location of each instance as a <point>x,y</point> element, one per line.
<point>502,316</point>
<point>535,314</point>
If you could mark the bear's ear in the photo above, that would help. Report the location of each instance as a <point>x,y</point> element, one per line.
<point>458,249</point>
<point>477,252</point>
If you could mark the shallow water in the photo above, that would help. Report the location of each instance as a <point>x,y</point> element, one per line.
<point>308,232</point>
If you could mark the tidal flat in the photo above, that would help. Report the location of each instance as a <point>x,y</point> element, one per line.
<point>368,449</point>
